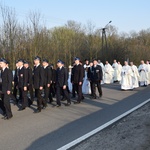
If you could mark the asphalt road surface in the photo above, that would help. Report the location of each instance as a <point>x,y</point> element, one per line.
<point>55,127</point>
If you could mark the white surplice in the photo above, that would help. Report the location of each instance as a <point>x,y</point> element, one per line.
<point>119,72</point>
<point>148,73</point>
<point>108,74</point>
<point>69,82</point>
<point>135,77</point>
<point>143,75</point>
<point>115,67</point>
<point>86,88</point>
<point>126,80</point>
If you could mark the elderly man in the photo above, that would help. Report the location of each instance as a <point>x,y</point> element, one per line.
<point>135,77</point>
<point>143,74</point>
<point>126,81</point>
<point>108,73</point>
<point>115,67</point>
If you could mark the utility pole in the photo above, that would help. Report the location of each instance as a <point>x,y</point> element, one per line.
<point>104,39</point>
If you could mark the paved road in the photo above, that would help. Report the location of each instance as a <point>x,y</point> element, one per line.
<point>55,127</point>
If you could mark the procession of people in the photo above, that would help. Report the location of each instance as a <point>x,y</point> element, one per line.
<point>44,82</point>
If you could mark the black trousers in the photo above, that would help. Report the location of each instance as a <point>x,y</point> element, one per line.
<point>15,90</point>
<point>30,89</point>
<point>78,89</point>
<point>6,104</point>
<point>24,98</point>
<point>59,91</point>
<point>40,99</point>
<point>46,93</point>
<point>73,90</point>
<point>98,85</point>
<point>2,107</point>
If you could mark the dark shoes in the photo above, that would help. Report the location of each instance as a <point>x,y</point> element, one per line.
<point>100,95</point>
<point>22,109</point>
<point>77,102</point>
<point>7,118</point>
<point>38,111</point>
<point>68,104</point>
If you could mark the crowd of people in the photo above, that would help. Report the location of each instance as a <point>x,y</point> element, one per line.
<point>44,82</point>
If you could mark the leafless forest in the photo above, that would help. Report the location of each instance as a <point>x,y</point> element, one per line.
<point>31,37</point>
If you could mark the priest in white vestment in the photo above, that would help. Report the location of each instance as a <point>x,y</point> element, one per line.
<point>143,74</point>
<point>126,80</point>
<point>115,67</point>
<point>148,72</point>
<point>108,73</point>
<point>135,77</point>
<point>119,71</point>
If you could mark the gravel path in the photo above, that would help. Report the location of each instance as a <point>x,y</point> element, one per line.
<point>130,133</point>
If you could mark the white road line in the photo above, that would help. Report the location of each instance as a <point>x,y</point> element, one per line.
<point>82,138</point>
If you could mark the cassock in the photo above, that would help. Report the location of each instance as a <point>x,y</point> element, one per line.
<point>108,74</point>
<point>126,81</point>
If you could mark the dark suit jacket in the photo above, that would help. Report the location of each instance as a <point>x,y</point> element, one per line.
<point>7,78</point>
<point>16,76</point>
<point>77,74</point>
<point>61,77</point>
<point>47,75</point>
<point>22,77</point>
<point>30,76</point>
<point>38,77</point>
<point>89,73</point>
<point>53,75</point>
<point>96,74</point>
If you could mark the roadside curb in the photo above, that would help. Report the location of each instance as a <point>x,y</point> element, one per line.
<point>91,133</point>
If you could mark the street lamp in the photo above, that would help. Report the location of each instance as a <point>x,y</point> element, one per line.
<point>104,39</point>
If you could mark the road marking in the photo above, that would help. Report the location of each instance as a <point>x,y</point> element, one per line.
<point>82,138</point>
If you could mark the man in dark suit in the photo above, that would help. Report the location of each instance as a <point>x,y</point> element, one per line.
<point>61,83</point>
<point>30,83</point>
<point>77,79</point>
<point>96,78</point>
<point>23,83</point>
<point>52,92</point>
<point>15,79</point>
<point>38,83</point>
<point>47,79</point>
<point>7,79</point>
<point>89,76</point>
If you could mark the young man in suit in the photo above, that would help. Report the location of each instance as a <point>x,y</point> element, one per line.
<point>38,83</point>
<point>52,91</point>
<point>61,83</point>
<point>47,79</point>
<point>29,83</point>
<point>96,78</point>
<point>77,79</point>
<point>22,84</point>
<point>7,79</point>
<point>15,79</point>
